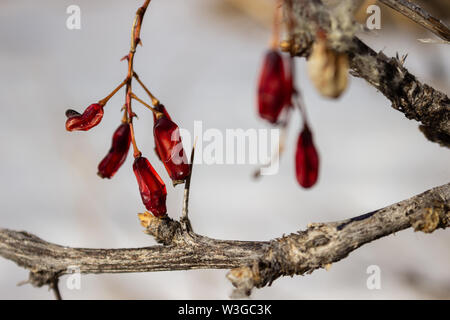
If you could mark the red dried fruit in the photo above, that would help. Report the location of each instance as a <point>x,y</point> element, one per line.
<point>152,188</point>
<point>89,119</point>
<point>117,153</point>
<point>169,147</point>
<point>271,88</point>
<point>306,159</point>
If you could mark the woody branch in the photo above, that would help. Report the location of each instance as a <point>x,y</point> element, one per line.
<point>420,16</point>
<point>407,94</point>
<point>253,263</point>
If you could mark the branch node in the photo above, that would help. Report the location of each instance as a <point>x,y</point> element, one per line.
<point>432,218</point>
<point>164,229</point>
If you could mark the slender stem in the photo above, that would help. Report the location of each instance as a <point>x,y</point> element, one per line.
<point>109,96</point>
<point>187,188</point>
<point>135,39</point>
<point>156,112</point>
<point>274,41</point>
<point>55,288</point>
<point>155,101</point>
<point>299,104</point>
<point>136,152</point>
<point>279,151</point>
<point>420,16</point>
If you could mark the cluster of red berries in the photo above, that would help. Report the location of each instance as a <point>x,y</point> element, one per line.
<point>277,94</point>
<point>168,147</point>
<point>276,91</point>
<point>328,72</point>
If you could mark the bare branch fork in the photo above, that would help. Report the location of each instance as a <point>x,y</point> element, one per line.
<point>259,263</point>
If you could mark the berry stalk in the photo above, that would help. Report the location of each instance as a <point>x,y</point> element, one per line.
<point>135,40</point>
<point>157,113</point>
<point>155,101</point>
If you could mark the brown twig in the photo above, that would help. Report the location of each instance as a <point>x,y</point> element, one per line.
<point>155,100</point>
<point>135,40</point>
<point>55,288</point>
<point>420,16</point>
<point>187,189</point>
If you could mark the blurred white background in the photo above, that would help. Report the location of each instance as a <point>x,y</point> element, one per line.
<point>201,58</point>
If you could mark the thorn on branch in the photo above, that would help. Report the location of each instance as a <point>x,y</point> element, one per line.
<point>54,286</point>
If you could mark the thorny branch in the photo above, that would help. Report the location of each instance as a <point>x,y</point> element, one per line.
<point>407,94</point>
<point>259,263</point>
<point>253,263</point>
<point>135,40</point>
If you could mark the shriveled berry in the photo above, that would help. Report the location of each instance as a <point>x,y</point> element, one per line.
<point>169,148</point>
<point>117,153</point>
<point>152,188</point>
<point>83,122</point>
<point>271,88</point>
<point>306,159</point>
<point>327,68</point>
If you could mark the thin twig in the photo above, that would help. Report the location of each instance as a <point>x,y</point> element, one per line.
<point>407,94</point>
<point>155,101</point>
<point>420,16</point>
<point>55,288</point>
<point>187,187</point>
<point>135,40</point>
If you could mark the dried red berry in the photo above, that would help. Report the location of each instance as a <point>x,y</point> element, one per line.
<point>306,159</point>
<point>152,188</point>
<point>169,147</point>
<point>89,119</point>
<point>271,89</point>
<point>117,153</point>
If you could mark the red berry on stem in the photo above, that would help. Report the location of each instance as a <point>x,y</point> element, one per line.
<point>152,188</point>
<point>306,159</point>
<point>89,119</point>
<point>117,153</point>
<point>271,88</point>
<point>169,148</point>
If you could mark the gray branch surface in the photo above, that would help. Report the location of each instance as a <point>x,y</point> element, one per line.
<point>253,263</point>
<point>408,95</point>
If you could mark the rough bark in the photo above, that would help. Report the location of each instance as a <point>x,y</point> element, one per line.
<point>253,263</point>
